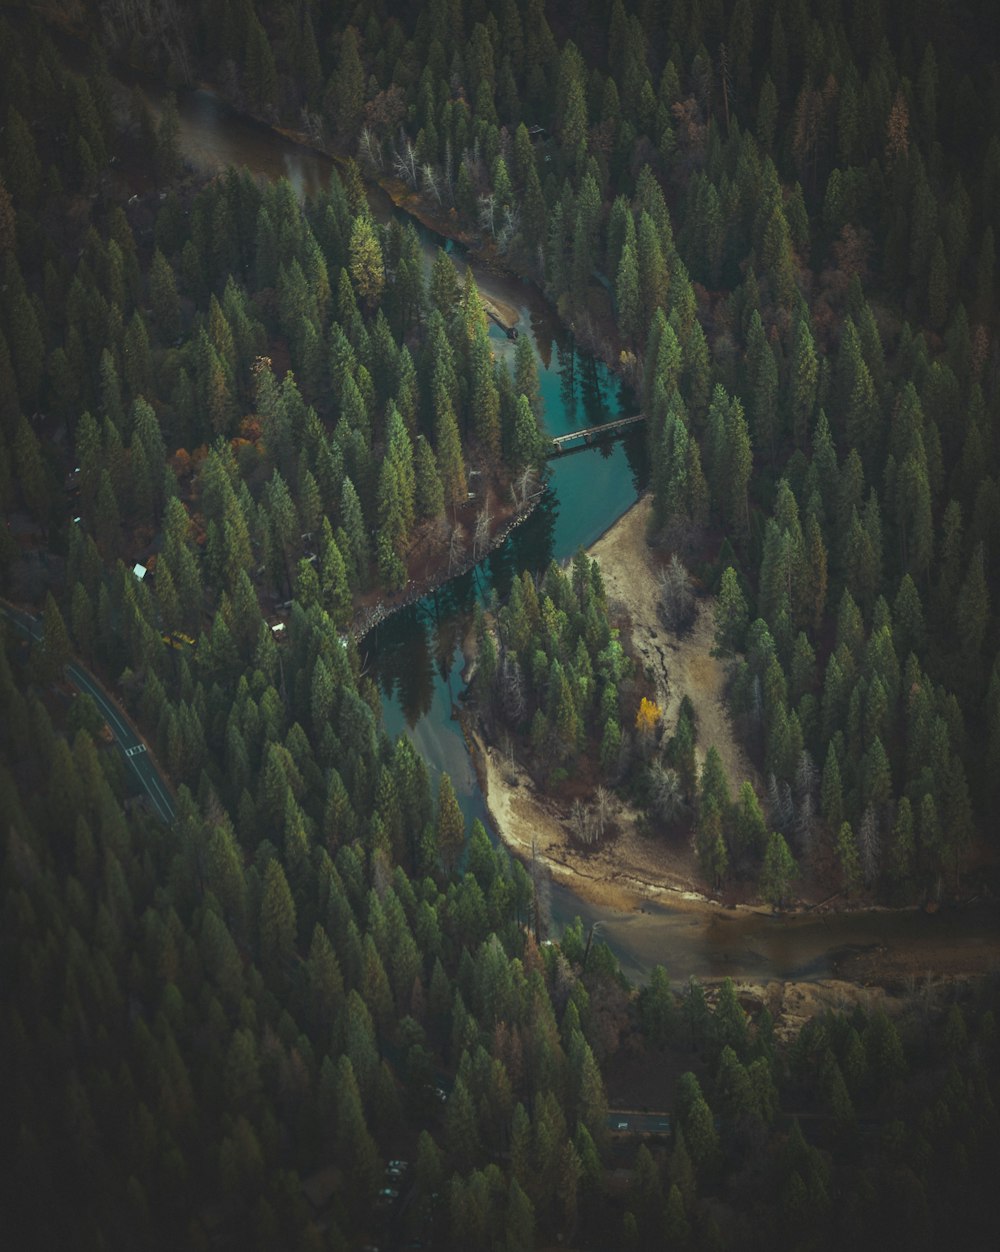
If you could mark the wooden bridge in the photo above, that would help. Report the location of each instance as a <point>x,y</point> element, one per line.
<point>561,443</point>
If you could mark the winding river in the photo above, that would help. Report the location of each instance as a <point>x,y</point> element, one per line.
<point>416,654</point>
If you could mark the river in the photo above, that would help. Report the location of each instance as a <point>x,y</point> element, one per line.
<point>416,656</point>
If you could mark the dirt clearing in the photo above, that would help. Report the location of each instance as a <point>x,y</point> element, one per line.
<point>677,666</point>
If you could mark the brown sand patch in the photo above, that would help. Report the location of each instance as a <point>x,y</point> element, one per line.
<point>631,870</point>
<point>678,665</point>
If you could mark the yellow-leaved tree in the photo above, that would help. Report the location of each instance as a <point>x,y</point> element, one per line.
<point>648,718</point>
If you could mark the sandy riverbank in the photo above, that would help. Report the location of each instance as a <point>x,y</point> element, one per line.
<point>647,889</point>
<point>676,666</point>
<point>631,866</point>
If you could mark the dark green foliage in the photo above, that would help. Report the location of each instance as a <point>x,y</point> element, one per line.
<point>558,664</point>
<point>197,1020</point>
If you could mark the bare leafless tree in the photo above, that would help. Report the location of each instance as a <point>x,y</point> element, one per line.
<point>312,125</point>
<point>806,776</point>
<point>371,149</point>
<point>666,793</point>
<point>456,545</point>
<point>603,803</point>
<point>581,822</point>
<point>447,171</point>
<point>677,603</point>
<point>806,782</point>
<point>510,226</point>
<point>521,489</point>
<point>404,163</point>
<point>481,538</point>
<point>512,696</point>
<point>487,212</point>
<point>429,180</point>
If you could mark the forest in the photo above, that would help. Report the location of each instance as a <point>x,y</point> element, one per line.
<point>777,222</point>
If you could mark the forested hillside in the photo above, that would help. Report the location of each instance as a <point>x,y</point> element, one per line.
<point>779,221</point>
<point>783,223</point>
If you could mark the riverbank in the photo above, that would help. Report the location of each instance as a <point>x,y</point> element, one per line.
<point>651,939</point>
<point>428,574</point>
<point>445,224</point>
<point>413,204</point>
<point>647,890</point>
<point>676,665</point>
<point>629,865</point>
<point>647,904</point>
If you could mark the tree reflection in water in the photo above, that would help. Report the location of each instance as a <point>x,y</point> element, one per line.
<point>421,645</point>
<point>400,660</point>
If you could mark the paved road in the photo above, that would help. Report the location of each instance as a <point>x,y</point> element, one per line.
<point>625,1122</point>
<point>133,748</point>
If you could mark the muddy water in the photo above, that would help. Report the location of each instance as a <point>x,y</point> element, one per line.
<point>416,655</point>
<point>714,943</point>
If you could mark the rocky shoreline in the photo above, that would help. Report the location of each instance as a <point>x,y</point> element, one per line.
<point>371,616</point>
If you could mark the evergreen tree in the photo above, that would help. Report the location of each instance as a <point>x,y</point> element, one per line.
<point>627,299</point>
<point>804,376</point>
<point>54,652</point>
<point>778,871</point>
<point>366,263</point>
<point>850,861</point>
<point>731,614</point>
<point>277,924</point>
<point>450,825</point>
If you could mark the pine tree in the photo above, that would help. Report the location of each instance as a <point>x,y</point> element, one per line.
<point>54,652</point>
<point>526,438</point>
<point>397,486</point>
<point>710,844</point>
<point>32,473</point>
<point>903,846</point>
<point>714,786</point>
<point>972,608</point>
<point>778,871</point>
<point>484,398</point>
<point>652,269</point>
<point>815,585</point>
<point>107,519</point>
<point>366,263</point>
<point>731,615</point>
<point>938,295</point>
<point>355,530</point>
<point>850,861</point>
<point>260,78</point>
<point>163,298</point>
<point>277,919</point>
<point>698,1125</point>
<point>448,449</point>
<point>450,825</point>
<point>355,1145</point>
<point>831,792</point>
<point>804,376</point>
<point>429,492</point>
<point>627,297</point>
<point>729,459</point>
<point>519,1220</point>
<point>750,828</point>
